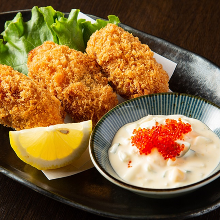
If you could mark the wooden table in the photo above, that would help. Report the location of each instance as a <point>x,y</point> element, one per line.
<point>190,24</point>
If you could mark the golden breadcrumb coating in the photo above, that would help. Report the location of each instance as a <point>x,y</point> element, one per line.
<point>24,104</point>
<point>129,65</point>
<point>73,78</point>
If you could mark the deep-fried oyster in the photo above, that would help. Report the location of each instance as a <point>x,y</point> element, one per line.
<point>129,65</point>
<point>73,78</point>
<point>25,104</point>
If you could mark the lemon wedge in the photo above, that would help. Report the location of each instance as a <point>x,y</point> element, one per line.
<point>51,147</point>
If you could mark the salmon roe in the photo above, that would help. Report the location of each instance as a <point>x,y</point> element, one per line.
<point>129,164</point>
<point>162,137</point>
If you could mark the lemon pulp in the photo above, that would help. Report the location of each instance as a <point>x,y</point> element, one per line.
<point>51,147</point>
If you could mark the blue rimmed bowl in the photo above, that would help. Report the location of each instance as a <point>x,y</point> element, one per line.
<point>133,110</point>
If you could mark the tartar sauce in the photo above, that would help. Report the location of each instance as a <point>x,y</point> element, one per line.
<point>199,158</point>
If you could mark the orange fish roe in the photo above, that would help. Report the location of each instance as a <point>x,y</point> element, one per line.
<point>129,164</point>
<point>161,137</point>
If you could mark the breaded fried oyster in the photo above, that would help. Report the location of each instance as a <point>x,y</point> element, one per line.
<point>73,78</point>
<point>129,65</point>
<point>25,104</point>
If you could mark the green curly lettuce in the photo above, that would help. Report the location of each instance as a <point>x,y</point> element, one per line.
<point>20,37</point>
<point>89,28</point>
<point>46,24</point>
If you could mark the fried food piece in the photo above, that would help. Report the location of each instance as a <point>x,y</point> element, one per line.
<point>73,78</point>
<point>129,65</point>
<point>24,104</point>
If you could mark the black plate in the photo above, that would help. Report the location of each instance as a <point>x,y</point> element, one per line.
<point>90,191</point>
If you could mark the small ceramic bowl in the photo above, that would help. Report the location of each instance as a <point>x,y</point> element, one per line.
<point>132,110</point>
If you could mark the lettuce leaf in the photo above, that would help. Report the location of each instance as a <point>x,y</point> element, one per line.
<point>89,28</point>
<point>46,24</point>
<point>69,31</point>
<point>76,33</point>
<point>20,37</point>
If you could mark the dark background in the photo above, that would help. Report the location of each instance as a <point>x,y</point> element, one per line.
<point>190,24</point>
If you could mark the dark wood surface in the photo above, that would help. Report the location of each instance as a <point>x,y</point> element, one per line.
<point>190,24</point>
